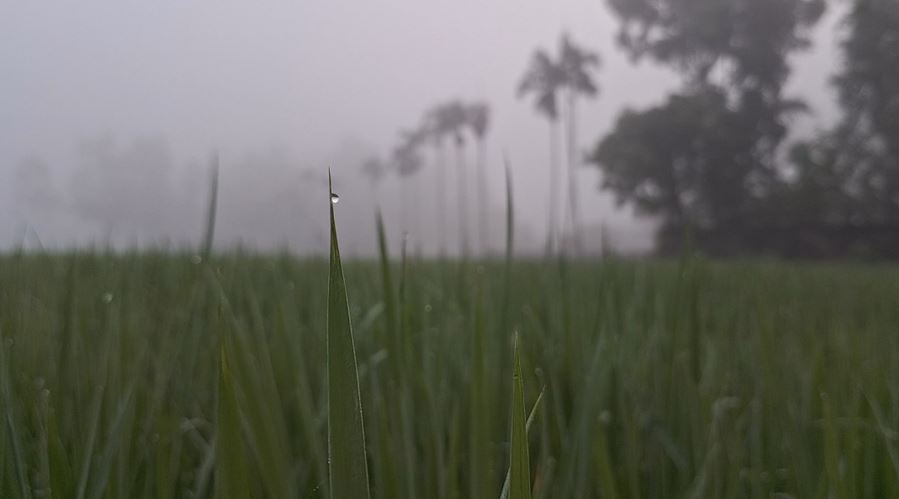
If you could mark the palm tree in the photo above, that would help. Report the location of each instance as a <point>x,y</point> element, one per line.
<point>576,65</point>
<point>543,79</point>
<point>457,119</point>
<point>479,121</point>
<point>436,128</point>
<point>408,161</point>
<point>450,119</point>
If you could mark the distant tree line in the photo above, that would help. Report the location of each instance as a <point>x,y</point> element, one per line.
<point>454,122</point>
<point>711,162</point>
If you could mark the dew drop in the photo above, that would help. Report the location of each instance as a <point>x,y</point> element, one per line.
<point>107,298</point>
<point>335,198</point>
<point>428,307</point>
<point>196,259</point>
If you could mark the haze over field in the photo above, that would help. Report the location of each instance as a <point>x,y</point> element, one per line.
<point>109,112</point>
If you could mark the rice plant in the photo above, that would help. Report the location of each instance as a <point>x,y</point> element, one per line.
<point>162,375</point>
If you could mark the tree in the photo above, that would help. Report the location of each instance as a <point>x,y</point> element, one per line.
<point>708,158</point>
<point>576,65</point>
<point>450,119</point>
<point>664,160</point>
<point>437,127</point>
<point>543,79</point>
<point>478,119</point>
<point>407,160</point>
<point>849,175</point>
<point>868,87</point>
<point>748,40</point>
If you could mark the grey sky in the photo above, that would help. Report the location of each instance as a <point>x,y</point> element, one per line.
<point>305,76</point>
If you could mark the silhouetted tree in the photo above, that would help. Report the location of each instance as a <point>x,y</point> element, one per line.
<point>664,160</point>
<point>451,120</point>
<point>747,41</point>
<point>543,79</point>
<point>850,175</point>
<point>577,65</point>
<point>708,157</point>
<point>408,161</point>
<point>478,118</point>
<point>437,127</point>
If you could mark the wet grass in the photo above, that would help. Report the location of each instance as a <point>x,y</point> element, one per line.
<point>157,375</point>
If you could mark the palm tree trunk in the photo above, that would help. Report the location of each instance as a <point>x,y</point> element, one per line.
<point>554,177</point>
<point>441,199</point>
<point>417,227</point>
<point>404,204</point>
<point>463,195</point>
<point>572,172</point>
<point>483,215</point>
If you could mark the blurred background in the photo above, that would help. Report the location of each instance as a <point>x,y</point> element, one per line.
<point>634,126</point>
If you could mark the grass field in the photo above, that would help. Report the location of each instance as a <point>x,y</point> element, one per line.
<point>677,379</point>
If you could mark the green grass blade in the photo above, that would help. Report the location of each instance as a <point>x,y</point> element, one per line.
<point>531,416</point>
<point>87,455</point>
<point>480,407</point>
<point>520,468</point>
<point>231,479</point>
<point>510,215</point>
<point>835,480</point>
<point>389,293</point>
<point>510,248</point>
<point>209,232</point>
<point>346,435</point>
<point>13,427</point>
<point>885,433</point>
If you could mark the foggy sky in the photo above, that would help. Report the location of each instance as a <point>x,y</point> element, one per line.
<point>295,86</point>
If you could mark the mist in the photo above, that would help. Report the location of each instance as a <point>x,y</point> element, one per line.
<point>110,113</point>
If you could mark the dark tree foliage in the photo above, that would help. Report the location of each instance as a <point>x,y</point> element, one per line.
<point>748,39</point>
<point>850,175</point>
<point>666,160</point>
<point>708,157</point>
<point>543,79</point>
<point>869,82</point>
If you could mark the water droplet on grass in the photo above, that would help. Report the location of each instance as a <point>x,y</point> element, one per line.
<point>335,198</point>
<point>107,298</point>
<point>196,259</point>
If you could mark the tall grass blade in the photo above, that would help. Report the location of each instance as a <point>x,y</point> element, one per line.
<point>209,232</point>
<point>510,214</point>
<point>346,435</point>
<point>389,292</point>
<point>13,427</point>
<point>835,480</point>
<point>520,468</point>
<point>531,416</point>
<point>887,434</point>
<point>231,478</point>
<point>510,246</point>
